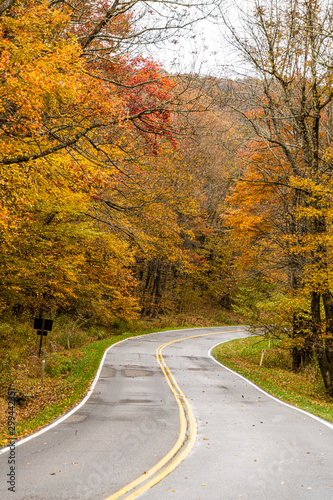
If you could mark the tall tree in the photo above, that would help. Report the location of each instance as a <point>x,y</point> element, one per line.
<point>288,48</point>
<point>88,152</point>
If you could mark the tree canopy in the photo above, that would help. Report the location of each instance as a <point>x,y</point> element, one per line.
<point>127,190</point>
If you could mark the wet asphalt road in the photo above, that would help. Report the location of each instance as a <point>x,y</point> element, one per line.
<point>248,446</point>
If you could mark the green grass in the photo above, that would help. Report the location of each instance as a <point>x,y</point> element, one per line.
<point>304,390</point>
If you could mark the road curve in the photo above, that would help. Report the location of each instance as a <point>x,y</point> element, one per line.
<point>163,410</point>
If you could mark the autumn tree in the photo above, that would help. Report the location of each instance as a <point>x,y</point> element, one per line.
<point>211,146</point>
<point>96,38</point>
<point>88,135</point>
<point>287,46</point>
<point>190,264</point>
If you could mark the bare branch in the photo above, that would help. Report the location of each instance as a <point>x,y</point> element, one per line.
<point>6,5</point>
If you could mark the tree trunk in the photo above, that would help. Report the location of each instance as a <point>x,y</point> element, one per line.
<point>303,352</point>
<point>157,292</point>
<point>324,345</point>
<point>145,294</point>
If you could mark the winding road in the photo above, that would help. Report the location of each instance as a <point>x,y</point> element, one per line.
<point>166,421</point>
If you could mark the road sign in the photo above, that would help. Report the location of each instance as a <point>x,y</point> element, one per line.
<point>43,324</point>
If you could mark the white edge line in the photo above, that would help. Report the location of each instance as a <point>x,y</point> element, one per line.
<point>70,412</point>
<point>60,419</point>
<point>321,420</point>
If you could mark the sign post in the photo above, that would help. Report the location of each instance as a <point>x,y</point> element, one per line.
<point>43,372</point>
<point>43,326</point>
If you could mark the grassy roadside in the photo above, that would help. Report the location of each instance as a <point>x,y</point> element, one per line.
<point>304,390</point>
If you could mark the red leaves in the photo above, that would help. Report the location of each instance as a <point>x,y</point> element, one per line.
<point>146,92</point>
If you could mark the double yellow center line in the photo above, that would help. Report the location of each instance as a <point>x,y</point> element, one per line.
<point>188,428</point>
